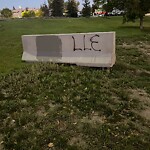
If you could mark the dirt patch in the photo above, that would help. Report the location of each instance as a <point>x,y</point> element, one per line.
<point>128,46</point>
<point>146,113</point>
<point>1,142</point>
<point>142,71</point>
<point>93,119</point>
<point>144,98</point>
<point>142,46</point>
<point>78,141</point>
<point>141,95</point>
<point>41,112</point>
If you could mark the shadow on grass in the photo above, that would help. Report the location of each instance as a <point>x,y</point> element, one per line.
<point>145,29</point>
<point>2,28</point>
<point>128,27</point>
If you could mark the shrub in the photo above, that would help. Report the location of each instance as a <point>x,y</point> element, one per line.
<point>39,13</point>
<point>7,13</point>
<point>31,13</point>
<point>28,13</point>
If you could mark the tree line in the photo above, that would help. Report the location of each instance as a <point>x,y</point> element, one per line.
<point>70,8</point>
<point>56,8</point>
<point>132,9</point>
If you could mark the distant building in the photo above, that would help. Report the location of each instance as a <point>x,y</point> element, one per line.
<point>99,12</point>
<point>17,13</point>
<point>148,14</point>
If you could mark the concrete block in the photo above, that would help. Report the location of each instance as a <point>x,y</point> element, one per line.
<point>86,49</point>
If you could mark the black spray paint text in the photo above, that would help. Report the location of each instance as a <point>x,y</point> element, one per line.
<point>92,41</point>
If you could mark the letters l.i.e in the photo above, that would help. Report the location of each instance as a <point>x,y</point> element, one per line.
<point>92,41</point>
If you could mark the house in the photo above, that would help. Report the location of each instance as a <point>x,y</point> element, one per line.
<point>17,13</point>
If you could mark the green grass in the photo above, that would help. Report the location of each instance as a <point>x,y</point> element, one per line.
<point>75,108</point>
<point>11,31</point>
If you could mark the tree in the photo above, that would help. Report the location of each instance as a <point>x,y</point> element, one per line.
<point>7,13</point>
<point>50,6</point>
<point>86,11</point>
<point>39,13</point>
<point>107,6</point>
<point>25,14</point>
<point>133,9</point>
<point>50,3</point>
<point>57,8</point>
<point>44,8</point>
<point>31,13</point>
<point>65,6</point>
<point>96,4</point>
<point>28,13</point>
<point>72,8</point>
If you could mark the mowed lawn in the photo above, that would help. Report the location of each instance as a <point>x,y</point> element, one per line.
<point>46,106</point>
<point>12,30</point>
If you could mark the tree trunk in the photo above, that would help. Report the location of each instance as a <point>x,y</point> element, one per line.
<point>141,22</point>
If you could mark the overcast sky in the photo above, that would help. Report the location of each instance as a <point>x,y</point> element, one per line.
<point>25,3</point>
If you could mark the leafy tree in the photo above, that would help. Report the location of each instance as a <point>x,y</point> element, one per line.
<point>50,3</point>
<point>50,6</point>
<point>39,13</point>
<point>107,6</point>
<point>6,12</point>
<point>72,8</point>
<point>57,8</point>
<point>96,4</point>
<point>31,13</point>
<point>133,9</point>
<point>44,8</point>
<point>25,14</point>
<point>86,11</point>
<point>28,13</point>
<point>65,6</point>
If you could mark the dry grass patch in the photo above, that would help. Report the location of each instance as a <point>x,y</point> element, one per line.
<point>141,95</point>
<point>143,46</point>
<point>93,119</point>
<point>78,141</point>
<point>1,142</point>
<point>146,113</point>
<point>144,98</point>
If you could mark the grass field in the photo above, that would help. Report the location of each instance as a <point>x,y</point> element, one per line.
<point>11,31</point>
<point>65,107</point>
